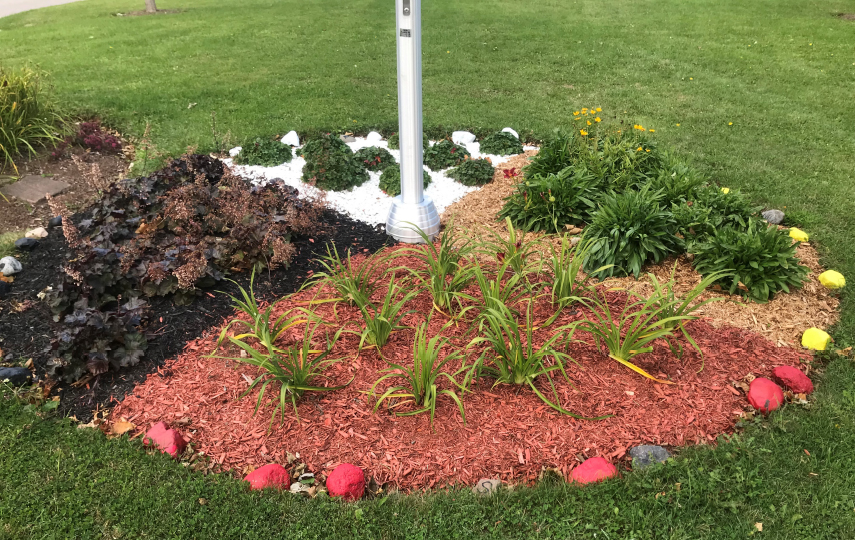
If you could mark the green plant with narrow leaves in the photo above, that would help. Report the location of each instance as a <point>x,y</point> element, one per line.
<point>390,180</point>
<point>756,263</point>
<point>569,284</point>
<point>519,254</point>
<point>295,369</point>
<point>640,323</point>
<point>505,290</point>
<point>383,319</point>
<point>446,272</point>
<point>444,154</point>
<point>260,325</point>
<point>421,386</point>
<point>511,356</point>
<point>729,207</point>
<point>266,152</point>
<point>677,181</point>
<point>501,143</point>
<point>473,172</point>
<point>628,231</point>
<point>353,283</point>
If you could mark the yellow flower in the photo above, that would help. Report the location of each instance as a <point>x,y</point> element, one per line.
<point>599,109</point>
<point>597,119</point>
<point>652,130</point>
<point>730,123</point>
<point>583,132</point>
<point>639,149</point>
<point>648,150</point>
<point>678,125</point>
<point>691,78</point>
<point>576,113</point>
<point>725,190</point>
<point>589,122</point>
<point>584,109</point>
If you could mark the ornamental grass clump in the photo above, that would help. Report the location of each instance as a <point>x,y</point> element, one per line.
<point>520,255</point>
<point>628,231</point>
<point>565,265</point>
<point>265,152</point>
<point>29,116</point>
<point>331,165</point>
<point>756,263</point>
<point>353,283</point>
<point>390,180</point>
<point>383,319</point>
<point>473,172</point>
<point>444,154</point>
<point>374,158</point>
<point>501,143</point>
<point>553,201</point>
<point>295,368</point>
<point>421,381</point>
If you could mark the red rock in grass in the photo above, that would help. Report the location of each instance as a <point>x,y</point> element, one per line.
<point>168,440</point>
<point>593,470</point>
<point>269,476</point>
<point>765,395</point>
<point>794,379</point>
<point>346,481</point>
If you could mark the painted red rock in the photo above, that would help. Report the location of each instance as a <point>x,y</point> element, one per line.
<point>794,379</point>
<point>168,440</point>
<point>765,395</point>
<point>593,470</point>
<point>346,481</point>
<point>269,476</point>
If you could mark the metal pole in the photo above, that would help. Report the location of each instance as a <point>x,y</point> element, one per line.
<point>412,207</point>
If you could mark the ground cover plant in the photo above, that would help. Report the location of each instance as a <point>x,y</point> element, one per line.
<point>171,233</point>
<point>444,154</point>
<point>501,143</point>
<point>375,158</point>
<point>331,165</point>
<point>390,180</point>
<point>473,172</point>
<point>264,151</point>
<point>29,115</point>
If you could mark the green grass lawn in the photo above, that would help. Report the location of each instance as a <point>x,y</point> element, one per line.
<point>782,72</point>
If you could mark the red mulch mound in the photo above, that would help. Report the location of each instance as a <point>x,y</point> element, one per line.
<point>510,433</point>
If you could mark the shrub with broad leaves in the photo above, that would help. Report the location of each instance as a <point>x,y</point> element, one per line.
<point>180,229</point>
<point>266,152</point>
<point>473,172</point>
<point>501,143</point>
<point>331,165</point>
<point>375,158</point>
<point>444,154</point>
<point>92,135</point>
<point>758,262</point>
<point>390,180</point>
<point>551,202</point>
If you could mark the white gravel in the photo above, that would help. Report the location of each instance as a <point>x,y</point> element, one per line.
<point>366,202</point>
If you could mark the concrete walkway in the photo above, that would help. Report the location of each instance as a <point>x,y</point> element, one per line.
<point>8,7</point>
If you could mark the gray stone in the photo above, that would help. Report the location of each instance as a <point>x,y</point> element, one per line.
<point>647,454</point>
<point>5,289</point>
<point>26,244</point>
<point>32,188</point>
<point>487,486</point>
<point>16,376</point>
<point>55,221</point>
<point>775,217</point>
<point>348,138</point>
<point>9,265</point>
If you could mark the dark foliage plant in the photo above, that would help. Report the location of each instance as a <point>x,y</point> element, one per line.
<point>330,164</point>
<point>473,172</point>
<point>628,231</point>
<point>551,202</point>
<point>266,152</point>
<point>390,180</point>
<point>444,154</point>
<point>375,158</point>
<point>180,228</point>
<point>501,143</point>
<point>759,261</point>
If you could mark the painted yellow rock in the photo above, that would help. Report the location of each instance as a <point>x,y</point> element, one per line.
<point>832,280</point>
<point>816,339</point>
<point>799,235</point>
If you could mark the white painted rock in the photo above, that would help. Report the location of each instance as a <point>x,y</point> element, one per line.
<point>38,232</point>
<point>9,265</point>
<point>462,137</point>
<point>373,138</point>
<point>291,138</point>
<point>235,151</point>
<point>512,132</point>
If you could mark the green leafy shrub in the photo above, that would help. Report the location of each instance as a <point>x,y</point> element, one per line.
<point>444,154</point>
<point>331,165</point>
<point>759,261</point>
<point>501,143</point>
<point>375,158</point>
<point>390,180</point>
<point>266,152</point>
<point>29,117</point>
<point>731,209</point>
<point>677,182</point>
<point>181,228</point>
<point>630,230</point>
<point>473,172</point>
<point>694,221</point>
<point>549,203</point>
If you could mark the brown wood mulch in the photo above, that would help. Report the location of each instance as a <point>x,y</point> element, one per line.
<point>509,434</point>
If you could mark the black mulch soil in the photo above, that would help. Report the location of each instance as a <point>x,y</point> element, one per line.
<point>27,333</point>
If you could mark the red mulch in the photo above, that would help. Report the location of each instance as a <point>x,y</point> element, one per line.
<point>509,434</point>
